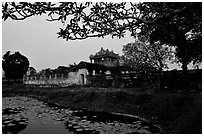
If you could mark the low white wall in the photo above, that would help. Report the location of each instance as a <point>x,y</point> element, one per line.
<point>73,79</point>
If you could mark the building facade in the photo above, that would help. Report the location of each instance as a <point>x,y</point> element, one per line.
<point>101,64</point>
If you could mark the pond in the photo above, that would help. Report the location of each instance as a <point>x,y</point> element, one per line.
<point>24,115</point>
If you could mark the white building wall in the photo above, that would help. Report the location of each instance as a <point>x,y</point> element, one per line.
<point>74,78</point>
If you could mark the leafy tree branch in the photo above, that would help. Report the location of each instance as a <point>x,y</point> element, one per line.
<point>85,20</point>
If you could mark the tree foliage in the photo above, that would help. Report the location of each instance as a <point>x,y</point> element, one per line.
<point>14,65</point>
<point>146,56</point>
<point>98,19</point>
<point>31,71</point>
<point>58,70</point>
<point>45,72</point>
<point>62,70</point>
<point>182,31</point>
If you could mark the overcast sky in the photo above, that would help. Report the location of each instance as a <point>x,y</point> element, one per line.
<point>36,39</point>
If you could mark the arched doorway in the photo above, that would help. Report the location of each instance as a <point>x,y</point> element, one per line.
<point>81,79</point>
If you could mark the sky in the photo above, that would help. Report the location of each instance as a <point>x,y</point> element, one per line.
<point>36,39</point>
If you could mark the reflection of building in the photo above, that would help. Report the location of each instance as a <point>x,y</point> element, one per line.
<point>104,57</point>
<point>102,63</point>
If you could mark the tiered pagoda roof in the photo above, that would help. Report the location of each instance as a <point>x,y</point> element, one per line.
<point>104,53</point>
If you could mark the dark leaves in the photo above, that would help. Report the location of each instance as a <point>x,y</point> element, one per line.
<point>14,65</point>
<point>101,18</point>
<point>5,16</point>
<point>13,4</point>
<point>5,6</point>
<point>13,16</point>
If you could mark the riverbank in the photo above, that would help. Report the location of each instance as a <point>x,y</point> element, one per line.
<point>174,112</point>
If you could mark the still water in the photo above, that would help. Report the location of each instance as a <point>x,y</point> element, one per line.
<point>26,115</point>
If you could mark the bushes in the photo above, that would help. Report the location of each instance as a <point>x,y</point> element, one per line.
<point>189,124</point>
<point>100,81</point>
<point>177,111</point>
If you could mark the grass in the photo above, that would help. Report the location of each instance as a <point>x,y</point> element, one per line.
<point>175,112</point>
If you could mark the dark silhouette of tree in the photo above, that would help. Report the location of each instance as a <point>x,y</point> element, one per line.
<point>46,72</point>
<point>14,65</point>
<point>62,70</point>
<point>181,30</point>
<point>98,19</point>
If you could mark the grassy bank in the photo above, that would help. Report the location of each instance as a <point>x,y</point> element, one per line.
<point>175,112</point>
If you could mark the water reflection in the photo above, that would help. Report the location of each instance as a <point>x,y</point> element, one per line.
<point>30,116</point>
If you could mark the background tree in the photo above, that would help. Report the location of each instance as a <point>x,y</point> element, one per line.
<point>31,71</point>
<point>14,65</point>
<point>182,31</point>
<point>62,70</point>
<point>46,72</point>
<point>58,70</point>
<point>145,57</point>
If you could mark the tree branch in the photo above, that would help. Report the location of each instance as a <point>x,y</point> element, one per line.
<point>48,8</point>
<point>155,20</point>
